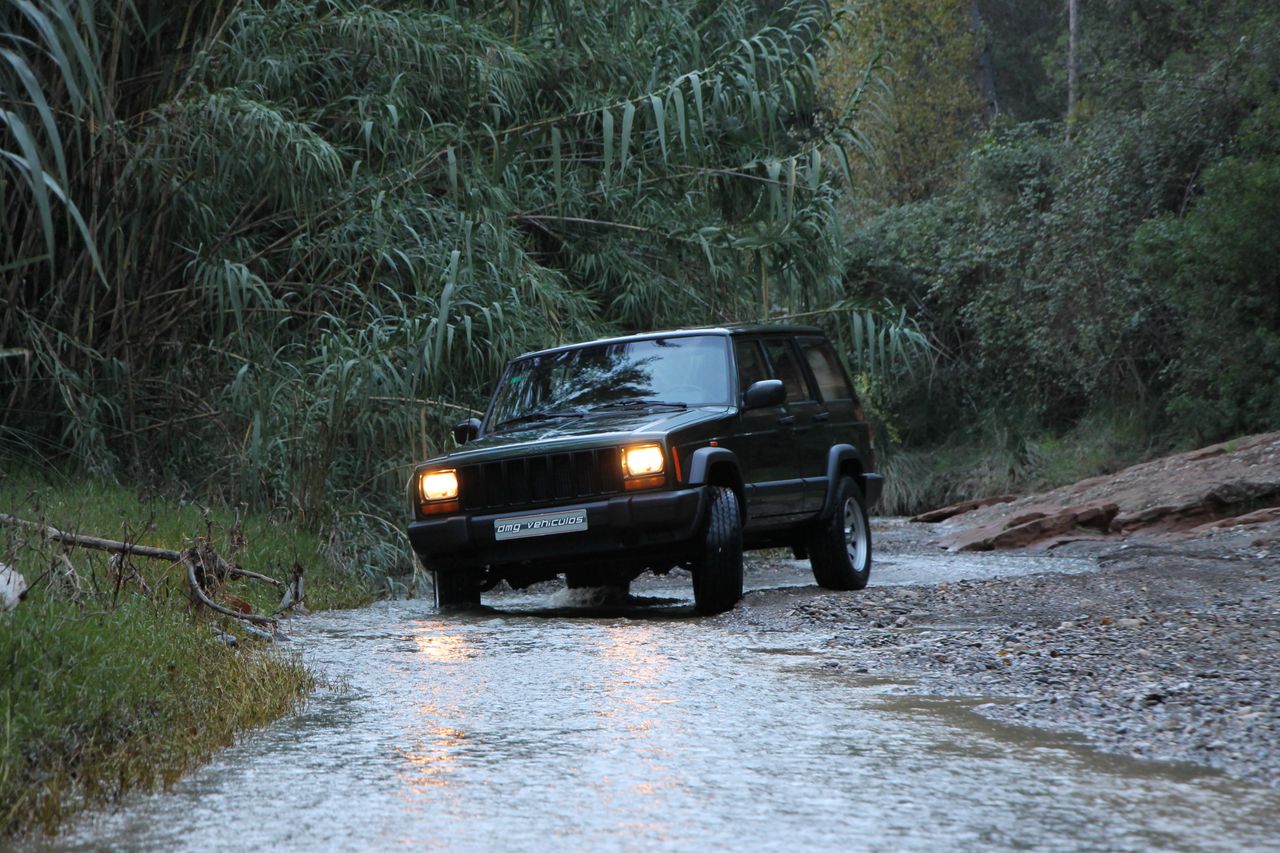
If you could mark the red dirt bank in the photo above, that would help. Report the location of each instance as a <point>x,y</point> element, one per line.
<point>1230,488</point>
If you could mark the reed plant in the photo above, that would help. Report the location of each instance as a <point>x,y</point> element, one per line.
<point>273,250</point>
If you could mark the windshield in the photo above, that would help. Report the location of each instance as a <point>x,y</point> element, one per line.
<point>684,371</point>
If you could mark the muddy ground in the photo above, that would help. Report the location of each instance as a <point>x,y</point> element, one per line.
<point>1170,651</point>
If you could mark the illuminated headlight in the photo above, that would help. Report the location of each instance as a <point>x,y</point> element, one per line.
<point>438,485</point>
<point>643,461</point>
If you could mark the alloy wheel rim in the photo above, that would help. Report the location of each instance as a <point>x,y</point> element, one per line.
<point>855,535</point>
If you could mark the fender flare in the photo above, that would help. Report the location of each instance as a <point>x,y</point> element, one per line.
<point>702,460</point>
<point>870,483</point>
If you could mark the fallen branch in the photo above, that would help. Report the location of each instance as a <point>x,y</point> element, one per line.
<point>188,559</point>
<point>115,546</point>
<point>232,570</point>
<point>112,545</point>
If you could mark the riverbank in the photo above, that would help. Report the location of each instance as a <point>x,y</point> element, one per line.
<point>112,680</point>
<point>1170,651</point>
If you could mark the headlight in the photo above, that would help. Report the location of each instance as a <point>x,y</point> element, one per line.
<point>438,485</point>
<point>645,460</point>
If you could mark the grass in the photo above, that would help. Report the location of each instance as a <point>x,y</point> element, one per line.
<point>119,684</point>
<point>996,461</point>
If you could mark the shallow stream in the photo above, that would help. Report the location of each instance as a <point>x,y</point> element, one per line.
<point>546,723</point>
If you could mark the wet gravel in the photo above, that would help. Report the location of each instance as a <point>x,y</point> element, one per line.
<point>1169,652</point>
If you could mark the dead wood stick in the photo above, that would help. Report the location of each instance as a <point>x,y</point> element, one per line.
<point>189,562</point>
<point>115,546</point>
<point>112,545</point>
<point>237,572</point>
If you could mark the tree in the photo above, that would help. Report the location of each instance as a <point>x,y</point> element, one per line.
<point>930,107</point>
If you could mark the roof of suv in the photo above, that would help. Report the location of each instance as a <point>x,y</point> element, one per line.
<point>733,331</point>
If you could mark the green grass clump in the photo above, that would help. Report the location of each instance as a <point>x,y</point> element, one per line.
<point>256,541</point>
<point>109,678</point>
<point>95,702</point>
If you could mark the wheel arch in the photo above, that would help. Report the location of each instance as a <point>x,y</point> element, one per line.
<point>845,460</point>
<point>718,466</point>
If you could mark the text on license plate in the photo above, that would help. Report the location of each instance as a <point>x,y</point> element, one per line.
<point>540,524</point>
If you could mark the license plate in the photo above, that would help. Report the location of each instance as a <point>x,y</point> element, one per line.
<point>540,524</point>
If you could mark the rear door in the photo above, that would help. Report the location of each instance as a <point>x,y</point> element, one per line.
<point>840,419</point>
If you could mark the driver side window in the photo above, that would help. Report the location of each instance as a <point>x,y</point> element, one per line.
<point>751,366</point>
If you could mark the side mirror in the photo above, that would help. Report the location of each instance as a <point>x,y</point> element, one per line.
<point>766,392</point>
<point>467,430</point>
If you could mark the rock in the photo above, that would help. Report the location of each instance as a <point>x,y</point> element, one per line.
<point>226,639</point>
<point>13,587</point>
<point>1032,527</point>
<point>1201,511</point>
<point>1261,516</point>
<point>943,513</point>
<point>258,633</point>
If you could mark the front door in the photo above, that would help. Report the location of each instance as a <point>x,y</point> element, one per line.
<point>803,428</point>
<point>763,443</point>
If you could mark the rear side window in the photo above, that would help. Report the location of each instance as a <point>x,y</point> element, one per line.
<point>751,366</point>
<point>786,366</point>
<point>826,370</point>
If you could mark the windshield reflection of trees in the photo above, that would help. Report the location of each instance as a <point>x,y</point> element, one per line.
<point>581,380</point>
<point>586,378</point>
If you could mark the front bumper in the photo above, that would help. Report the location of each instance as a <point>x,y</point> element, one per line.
<point>624,527</point>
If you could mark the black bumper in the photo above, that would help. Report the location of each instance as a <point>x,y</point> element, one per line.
<point>623,527</point>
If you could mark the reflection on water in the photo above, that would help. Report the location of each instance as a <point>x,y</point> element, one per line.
<point>529,727</point>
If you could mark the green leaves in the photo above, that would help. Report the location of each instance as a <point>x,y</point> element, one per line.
<point>377,201</point>
<point>628,119</point>
<point>660,122</point>
<point>606,122</point>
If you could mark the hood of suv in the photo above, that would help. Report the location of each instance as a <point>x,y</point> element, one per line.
<point>591,430</point>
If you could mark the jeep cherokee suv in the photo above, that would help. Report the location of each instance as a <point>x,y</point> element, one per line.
<point>602,460</point>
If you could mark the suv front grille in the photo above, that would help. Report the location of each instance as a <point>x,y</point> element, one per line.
<point>534,480</point>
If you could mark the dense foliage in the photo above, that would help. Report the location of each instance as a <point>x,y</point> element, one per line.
<point>275,246</point>
<point>1118,262</point>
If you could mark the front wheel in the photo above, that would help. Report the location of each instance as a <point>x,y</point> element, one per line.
<point>840,546</point>
<point>717,571</point>
<point>455,590</point>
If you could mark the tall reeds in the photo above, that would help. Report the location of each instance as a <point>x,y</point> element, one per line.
<point>273,246</point>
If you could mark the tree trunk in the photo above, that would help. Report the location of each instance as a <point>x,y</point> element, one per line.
<point>1073,59</point>
<point>986,68</point>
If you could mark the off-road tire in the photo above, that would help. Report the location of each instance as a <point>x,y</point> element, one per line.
<point>840,546</point>
<point>456,590</point>
<point>717,571</point>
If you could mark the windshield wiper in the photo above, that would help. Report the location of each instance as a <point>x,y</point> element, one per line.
<point>637,404</point>
<point>538,416</point>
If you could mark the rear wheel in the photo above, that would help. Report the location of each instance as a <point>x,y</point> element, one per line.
<point>840,547</point>
<point>717,571</point>
<point>456,590</point>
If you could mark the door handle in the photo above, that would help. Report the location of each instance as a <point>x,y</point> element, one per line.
<point>788,420</point>
<point>821,417</point>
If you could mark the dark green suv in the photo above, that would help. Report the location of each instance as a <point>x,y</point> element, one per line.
<point>602,460</point>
